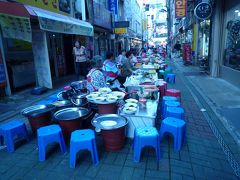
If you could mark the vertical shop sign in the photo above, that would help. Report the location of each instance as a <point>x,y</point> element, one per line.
<point>113,6</point>
<point>187,52</point>
<point>2,72</point>
<point>180,8</point>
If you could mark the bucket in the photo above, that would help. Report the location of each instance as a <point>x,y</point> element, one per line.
<point>38,116</point>
<point>70,119</point>
<point>39,121</point>
<point>112,128</point>
<point>107,108</point>
<point>114,140</point>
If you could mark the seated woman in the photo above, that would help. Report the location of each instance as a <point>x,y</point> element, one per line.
<point>110,71</point>
<point>95,77</point>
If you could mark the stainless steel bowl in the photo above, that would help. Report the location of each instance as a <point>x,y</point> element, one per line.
<point>71,113</point>
<point>37,110</point>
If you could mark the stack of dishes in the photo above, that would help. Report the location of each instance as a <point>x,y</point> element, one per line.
<point>131,106</point>
<point>105,96</point>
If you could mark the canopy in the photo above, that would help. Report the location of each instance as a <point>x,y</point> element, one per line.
<point>53,22</point>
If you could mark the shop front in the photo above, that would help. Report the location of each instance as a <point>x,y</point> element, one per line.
<point>230,68</point>
<point>37,45</point>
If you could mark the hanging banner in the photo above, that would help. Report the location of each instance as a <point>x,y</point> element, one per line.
<point>16,27</point>
<point>187,52</point>
<point>113,6</point>
<point>180,8</point>
<point>58,6</point>
<point>120,30</point>
<point>2,72</point>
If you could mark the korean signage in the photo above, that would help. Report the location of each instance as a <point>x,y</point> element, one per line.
<point>58,6</point>
<point>120,30</point>
<point>16,27</point>
<point>203,11</point>
<point>113,6</point>
<point>187,52</point>
<point>180,8</point>
<point>121,24</point>
<point>2,72</point>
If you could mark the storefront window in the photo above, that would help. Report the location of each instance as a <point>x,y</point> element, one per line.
<point>204,33</point>
<point>232,45</point>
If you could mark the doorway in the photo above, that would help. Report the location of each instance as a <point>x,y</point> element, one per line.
<point>68,48</point>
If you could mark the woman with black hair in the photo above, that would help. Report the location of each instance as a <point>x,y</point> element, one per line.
<point>127,68</point>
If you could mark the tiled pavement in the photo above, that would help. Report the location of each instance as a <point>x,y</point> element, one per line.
<point>201,157</point>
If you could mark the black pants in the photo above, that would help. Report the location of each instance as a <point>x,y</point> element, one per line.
<point>121,79</point>
<point>81,69</point>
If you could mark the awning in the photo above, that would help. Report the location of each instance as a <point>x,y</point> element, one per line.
<point>53,22</point>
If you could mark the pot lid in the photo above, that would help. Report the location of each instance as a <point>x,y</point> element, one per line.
<point>62,103</point>
<point>109,122</point>
<point>36,110</point>
<point>71,113</point>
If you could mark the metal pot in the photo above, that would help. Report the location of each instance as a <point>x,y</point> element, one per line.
<point>71,119</point>
<point>38,116</point>
<point>79,99</point>
<point>62,104</point>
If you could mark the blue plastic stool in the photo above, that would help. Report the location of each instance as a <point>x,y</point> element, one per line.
<point>175,112</point>
<point>168,98</point>
<point>10,130</point>
<point>145,136</point>
<point>177,128</point>
<point>80,140</point>
<point>170,78</point>
<point>49,134</point>
<point>169,104</point>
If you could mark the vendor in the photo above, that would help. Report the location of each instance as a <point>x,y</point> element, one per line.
<point>110,71</point>
<point>95,77</point>
<point>127,68</point>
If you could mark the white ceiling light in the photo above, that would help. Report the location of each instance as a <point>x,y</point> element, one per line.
<point>236,11</point>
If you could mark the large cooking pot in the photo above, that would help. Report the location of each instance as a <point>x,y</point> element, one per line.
<point>38,115</point>
<point>71,119</point>
<point>62,104</point>
<point>79,99</point>
<point>112,128</point>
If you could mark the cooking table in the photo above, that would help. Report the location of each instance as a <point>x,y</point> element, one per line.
<point>144,116</point>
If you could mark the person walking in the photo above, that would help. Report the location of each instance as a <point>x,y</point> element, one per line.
<point>80,57</point>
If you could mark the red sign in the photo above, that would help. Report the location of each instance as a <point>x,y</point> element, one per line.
<point>187,52</point>
<point>180,8</point>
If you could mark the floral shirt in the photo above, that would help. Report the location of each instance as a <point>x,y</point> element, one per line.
<point>95,80</point>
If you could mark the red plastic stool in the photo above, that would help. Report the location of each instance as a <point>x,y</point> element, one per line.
<point>162,86</point>
<point>173,92</point>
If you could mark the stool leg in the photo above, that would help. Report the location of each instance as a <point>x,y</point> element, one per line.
<point>9,141</point>
<point>62,143</point>
<point>137,152</point>
<point>41,149</point>
<point>157,148</point>
<point>94,153</point>
<point>72,155</point>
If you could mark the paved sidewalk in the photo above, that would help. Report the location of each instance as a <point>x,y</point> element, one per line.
<point>221,101</point>
<point>201,156</point>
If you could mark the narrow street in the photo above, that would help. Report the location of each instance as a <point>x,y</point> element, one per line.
<point>201,157</point>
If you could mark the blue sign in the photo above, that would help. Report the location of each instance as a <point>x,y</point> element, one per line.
<point>203,11</point>
<point>113,6</point>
